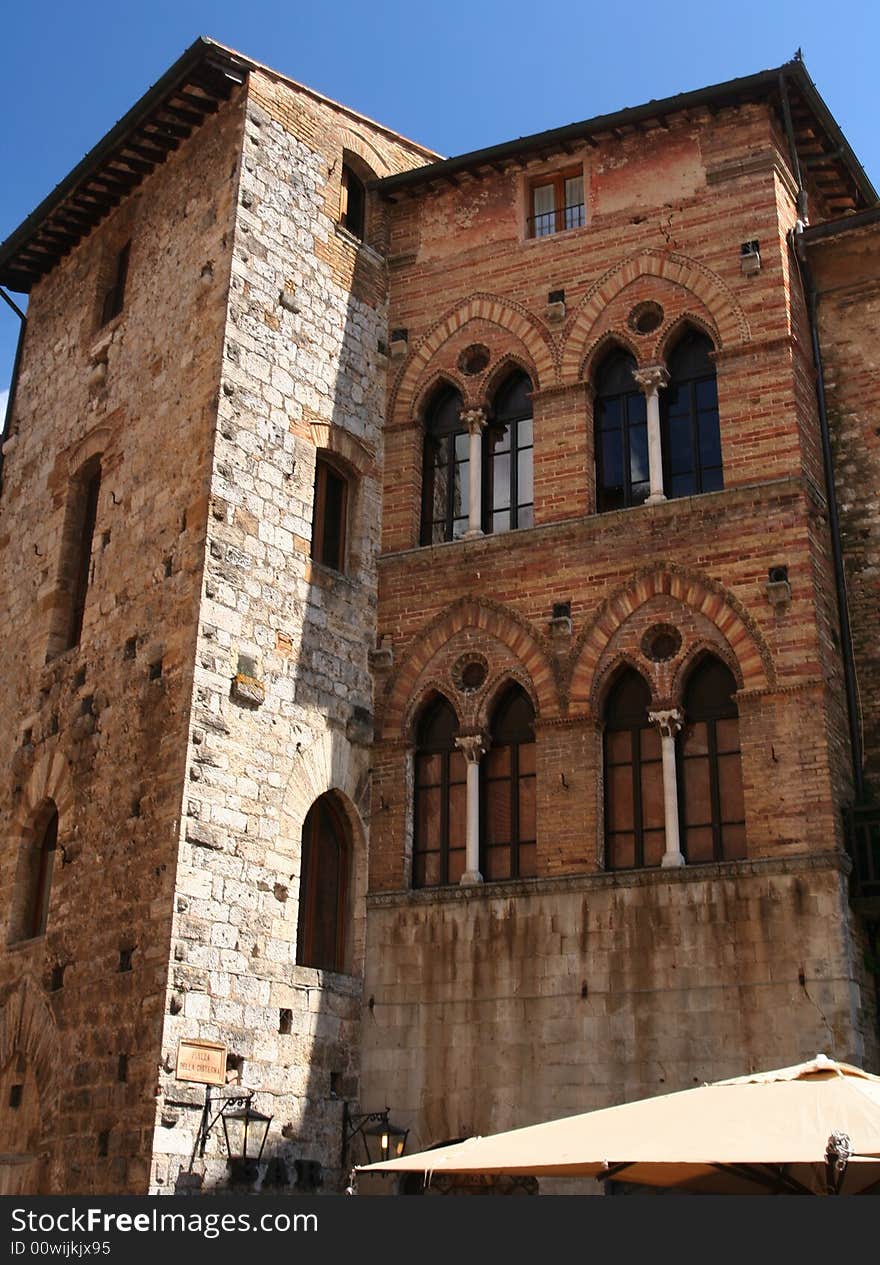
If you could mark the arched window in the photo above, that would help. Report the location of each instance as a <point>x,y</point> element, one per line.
<point>446,477</point>
<point>30,910</point>
<point>689,427</point>
<point>634,818</point>
<point>621,435</point>
<point>440,819</point>
<point>329,515</point>
<point>353,202</point>
<point>323,888</point>
<point>508,771</point>
<point>75,568</point>
<point>509,473</point>
<point>712,810</point>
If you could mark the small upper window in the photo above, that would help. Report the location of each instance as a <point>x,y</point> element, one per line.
<point>329,515</point>
<point>353,203</point>
<point>114,295</point>
<point>556,202</point>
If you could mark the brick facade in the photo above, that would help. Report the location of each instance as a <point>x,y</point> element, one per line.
<point>226,680</point>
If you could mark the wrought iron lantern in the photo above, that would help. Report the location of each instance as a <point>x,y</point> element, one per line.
<point>245,1130</point>
<point>380,1139</point>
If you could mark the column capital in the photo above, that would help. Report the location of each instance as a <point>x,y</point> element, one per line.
<point>668,721</point>
<point>473,746</point>
<point>651,378</point>
<point>474,420</point>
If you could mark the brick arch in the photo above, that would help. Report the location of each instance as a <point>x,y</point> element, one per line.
<point>426,389</point>
<point>677,329</point>
<point>496,689</point>
<point>352,451</point>
<point>512,317</point>
<point>428,690</point>
<point>696,591</point>
<point>608,672</point>
<point>600,348</point>
<point>27,1027</point>
<point>528,647</point>
<point>325,764</point>
<point>359,145</point>
<point>733,328</point>
<point>701,649</point>
<point>49,779</point>
<point>499,373</point>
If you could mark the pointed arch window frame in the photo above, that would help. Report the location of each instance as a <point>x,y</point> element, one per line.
<point>310,895</point>
<point>715,752</point>
<point>698,417</point>
<point>449,435</point>
<point>631,401</point>
<point>516,428</point>
<point>520,770</point>
<point>442,762</point>
<point>638,762</point>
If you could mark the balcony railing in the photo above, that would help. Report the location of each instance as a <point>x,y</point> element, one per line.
<point>550,222</point>
<point>863,846</point>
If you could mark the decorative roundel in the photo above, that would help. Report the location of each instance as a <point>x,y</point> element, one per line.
<point>645,318</point>
<point>661,642</point>
<point>473,359</point>
<point>470,672</point>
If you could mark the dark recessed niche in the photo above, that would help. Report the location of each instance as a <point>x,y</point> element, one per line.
<point>473,359</point>
<point>645,318</point>
<point>661,642</point>
<point>16,1093</point>
<point>125,956</point>
<point>285,1022</point>
<point>470,672</point>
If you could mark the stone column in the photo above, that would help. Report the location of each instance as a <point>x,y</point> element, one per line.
<point>669,722</point>
<point>650,380</point>
<point>475,421</point>
<point>473,747</point>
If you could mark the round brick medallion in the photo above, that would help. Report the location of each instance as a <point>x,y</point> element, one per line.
<point>661,642</point>
<point>473,359</point>
<point>470,672</point>
<point>645,318</point>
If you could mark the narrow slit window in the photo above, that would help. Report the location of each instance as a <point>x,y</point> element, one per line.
<point>114,296</point>
<point>329,515</point>
<point>353,203</point>
<point>323,890</point>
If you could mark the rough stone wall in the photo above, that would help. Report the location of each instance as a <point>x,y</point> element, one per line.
<point>302,371</point>
<point>847,276</point>
<point>520,1002</point>
<point>101,729</point>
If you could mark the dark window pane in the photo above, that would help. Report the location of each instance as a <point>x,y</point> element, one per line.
<point>730,788</point>
<point>698,846</point>
<point>697,793</point>
<point>734,843</point>
<point>652,796</point>
<point>621,852</point>
<point>457,815</point>
<point>456,864</point>
<point>620,813</point>
<point>496,762</point>
<point>497,862</point>
<point>654,845</point>
<point>638,454</point>
<point>528,860</point>
<point>618,745</point>
<point>525,489</point>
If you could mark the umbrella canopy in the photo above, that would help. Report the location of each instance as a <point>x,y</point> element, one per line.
<point>768,1132</point>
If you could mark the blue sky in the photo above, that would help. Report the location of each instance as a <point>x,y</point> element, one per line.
<point>455,76</point>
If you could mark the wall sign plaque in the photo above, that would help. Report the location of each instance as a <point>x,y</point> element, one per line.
<point>201,1061</point>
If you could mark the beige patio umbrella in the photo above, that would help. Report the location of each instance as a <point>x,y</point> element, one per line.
<point>810,1129</point>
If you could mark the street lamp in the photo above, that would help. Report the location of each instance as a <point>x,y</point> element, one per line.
<point>245,1130</point>
<point>381,1139</point>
